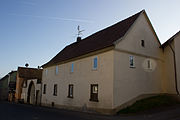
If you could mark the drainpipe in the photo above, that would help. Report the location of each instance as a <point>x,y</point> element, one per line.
<point>175,69</point>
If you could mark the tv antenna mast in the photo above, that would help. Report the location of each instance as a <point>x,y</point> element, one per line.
<point>79,31</point>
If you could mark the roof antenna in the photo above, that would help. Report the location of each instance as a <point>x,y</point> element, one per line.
<point>79,33</point>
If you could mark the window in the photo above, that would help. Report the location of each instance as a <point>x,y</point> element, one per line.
<point>46,71</point>
<point>95,65</point>
<point>131,60</point>
<point>55,90</point>
<point>149,64</point>
<point>142,43</point>
<point>57,70</point>
<point>70,91</point>
<point>44,90</point>
<point>72,67</point>
<point>38,81</point>
<point>94,93</point>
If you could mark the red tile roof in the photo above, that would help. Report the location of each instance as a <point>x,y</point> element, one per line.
<point>29,73</point>
<point>99,40</point>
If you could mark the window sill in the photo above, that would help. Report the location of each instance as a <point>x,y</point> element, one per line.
<point>149,69</point>
<point>132,66</point>
<point>93,100</point>
<point>70,97</point>
<point>94,69</point>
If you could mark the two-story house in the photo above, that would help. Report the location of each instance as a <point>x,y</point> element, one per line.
<point>108,70</point>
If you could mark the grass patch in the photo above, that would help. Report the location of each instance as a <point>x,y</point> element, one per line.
<point>149,103</point>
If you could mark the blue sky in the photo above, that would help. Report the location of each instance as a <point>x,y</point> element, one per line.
<point>34,31</point>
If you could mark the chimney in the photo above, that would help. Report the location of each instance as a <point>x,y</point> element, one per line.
<point>78,39</point>
<point>26,64</point>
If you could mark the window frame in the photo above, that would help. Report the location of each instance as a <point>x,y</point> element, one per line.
<point>70,91</point>
<point>55,90</point>
<point>72,67</point>
<point>149,64</point>
<point>95,63</point>
<point>131,61</point>
<point>46,72</point>
<point>94,95</point>
<point>142,43</point>
<point>57,70</point>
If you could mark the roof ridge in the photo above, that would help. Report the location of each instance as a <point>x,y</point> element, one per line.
<point>29,68</point>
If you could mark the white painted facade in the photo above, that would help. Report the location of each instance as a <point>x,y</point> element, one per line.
<point>118,82</point>
<point>33,90</point>
<point>134,68</point>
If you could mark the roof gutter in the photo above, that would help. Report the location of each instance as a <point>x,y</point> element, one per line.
<point>175,69</point>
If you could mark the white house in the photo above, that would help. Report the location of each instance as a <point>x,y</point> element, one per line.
<point>108,70</point>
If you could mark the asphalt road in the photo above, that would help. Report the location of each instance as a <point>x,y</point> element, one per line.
<point>12,111</point>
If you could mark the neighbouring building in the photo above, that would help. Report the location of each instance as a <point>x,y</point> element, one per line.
<point>108,70</point>
<point>7,86</point>
<point>171,50</point>
<point>28,85</point>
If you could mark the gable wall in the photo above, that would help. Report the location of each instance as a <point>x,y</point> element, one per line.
<point>169,81</point>
<point>141,30</point>
<point>177,52</point>
<point>129,83</point>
